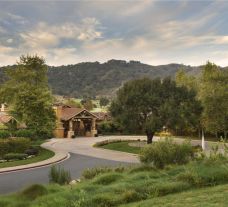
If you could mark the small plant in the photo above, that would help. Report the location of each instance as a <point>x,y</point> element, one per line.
<point>32,151</point>
<point>15,156</point>
<point>59,175</point>
<point>93,172</point>
<point>90,173</point>
<point>34,191</point>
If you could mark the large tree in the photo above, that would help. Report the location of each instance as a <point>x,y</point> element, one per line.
<point>212,91</point>
<point>214,96</point>
<point>146,105</point>
<point>27,91</point>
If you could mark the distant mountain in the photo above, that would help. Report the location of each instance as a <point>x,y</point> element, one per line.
<point>96,79</point>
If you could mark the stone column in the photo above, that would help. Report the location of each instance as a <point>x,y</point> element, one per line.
<point>70,133</point>
<point>93,130</point>
<point>59,130</point>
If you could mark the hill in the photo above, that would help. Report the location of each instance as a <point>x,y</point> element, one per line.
<point>96,79</point>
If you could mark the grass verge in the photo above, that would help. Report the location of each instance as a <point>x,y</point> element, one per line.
<point>122,146</point>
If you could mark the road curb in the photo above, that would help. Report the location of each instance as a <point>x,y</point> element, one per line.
<point>67,156</point>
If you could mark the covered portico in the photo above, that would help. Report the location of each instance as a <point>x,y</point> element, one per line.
<point>83,124</point>
<point>75,122</point>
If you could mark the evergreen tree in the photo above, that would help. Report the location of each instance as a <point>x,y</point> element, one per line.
<point>27,91</point>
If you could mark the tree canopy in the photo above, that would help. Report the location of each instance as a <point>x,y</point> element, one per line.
<point>104,101</point>
<point>27,91</point>
<point>146,105</point>
<point>214,96</point>
<point>212,91</point>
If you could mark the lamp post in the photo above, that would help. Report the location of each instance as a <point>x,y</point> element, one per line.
<point>203,141</point>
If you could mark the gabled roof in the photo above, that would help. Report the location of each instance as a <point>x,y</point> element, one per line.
<point>68,113</point>
<point>102,115</point>
<point>5,118</point>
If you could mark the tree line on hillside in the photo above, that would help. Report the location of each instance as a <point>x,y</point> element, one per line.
<point>96,79</point>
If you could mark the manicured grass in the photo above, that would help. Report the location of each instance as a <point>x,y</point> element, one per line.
<point>43,155</point>
<point>122,146</point>
<point>195,184</point>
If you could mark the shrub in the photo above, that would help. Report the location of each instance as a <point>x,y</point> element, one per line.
<point>130,196</point>
<point>32,151</point>
<point>201,174</point>
<point>109,127</point>
<point>103,200</point>
<point>93,172</point>
<point>13,145</point>
<point>4,134</point>
<point>24,133</point>
<point>108,178</point>
<point>34,191</point>
<point>90,173</point>
<point>43,134</point>
<point>15,156</point>
<point>59,175</point>
<point>19,145</point>
<point>166,152</point>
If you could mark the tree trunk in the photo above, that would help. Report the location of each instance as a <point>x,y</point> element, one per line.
<point>150,136</point>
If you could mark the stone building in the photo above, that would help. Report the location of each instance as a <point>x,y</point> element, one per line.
<point>73,122</point>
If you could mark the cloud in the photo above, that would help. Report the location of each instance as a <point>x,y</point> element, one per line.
<point>9,40</point>
<point>48,36</point>
<point>154,32</point>
<point>2,30</point>
<point>137,7</point>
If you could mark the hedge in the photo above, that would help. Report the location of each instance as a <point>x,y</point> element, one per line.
<point>14,145</point>
<point>4,134</point>
<point>28,133</point>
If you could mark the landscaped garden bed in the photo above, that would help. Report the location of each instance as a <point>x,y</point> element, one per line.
<point>20,151</point>
<point>130,146</point>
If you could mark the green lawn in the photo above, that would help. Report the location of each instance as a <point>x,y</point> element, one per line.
<point>43,155</point>
<point>122,146</point>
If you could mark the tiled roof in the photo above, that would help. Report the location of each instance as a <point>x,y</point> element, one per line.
<point>68,113</point>
<point>102,115</point>
<point>5,118</point>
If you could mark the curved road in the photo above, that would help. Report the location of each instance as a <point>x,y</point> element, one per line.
<point>83,156</point>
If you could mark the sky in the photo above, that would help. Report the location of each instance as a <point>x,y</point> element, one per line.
<point>189,32</point>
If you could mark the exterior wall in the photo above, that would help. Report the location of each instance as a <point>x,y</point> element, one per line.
<point>68,129</point>
<point>59,131</point>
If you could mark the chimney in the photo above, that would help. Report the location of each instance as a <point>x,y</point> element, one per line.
<point>2,107</point>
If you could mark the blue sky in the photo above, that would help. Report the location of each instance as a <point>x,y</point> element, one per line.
<point>154,32</point>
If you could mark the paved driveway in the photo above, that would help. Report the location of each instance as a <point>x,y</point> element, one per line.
<point>84,146</point>
<point>76,164</point>
<point>83,155</point>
